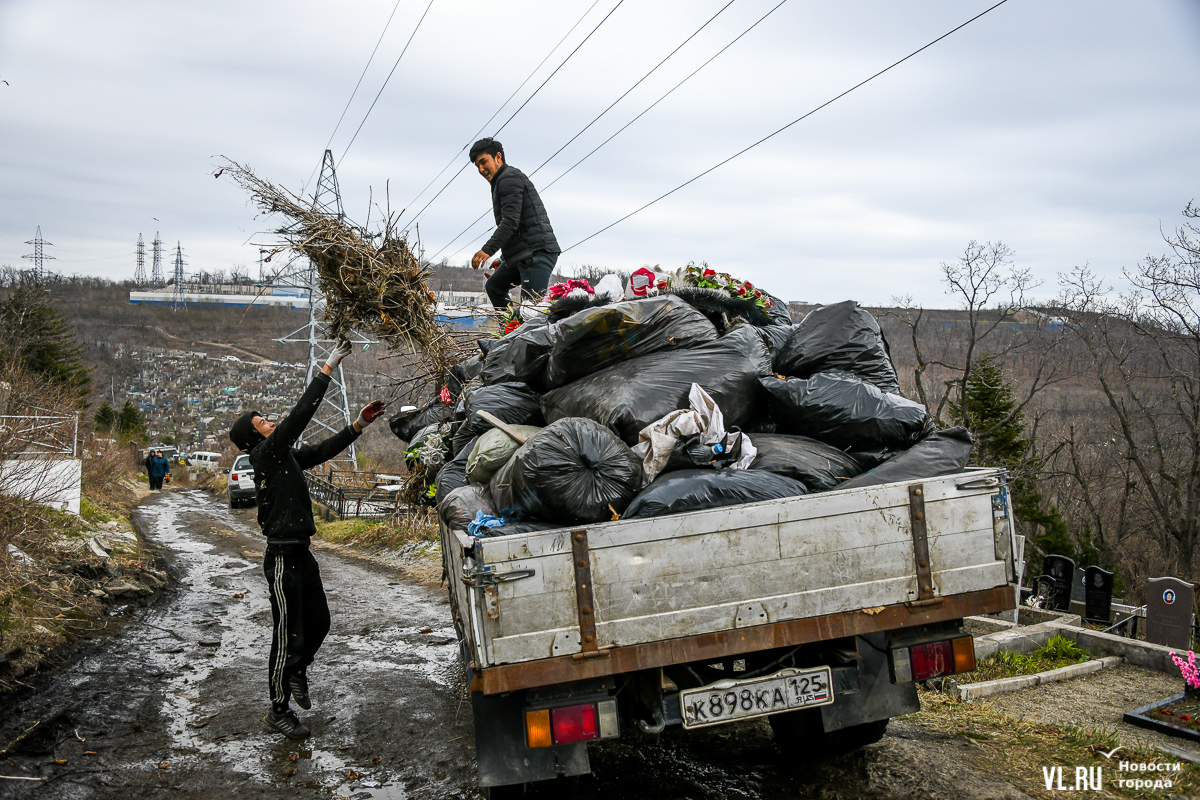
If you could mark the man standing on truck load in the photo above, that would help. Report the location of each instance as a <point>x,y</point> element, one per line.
<point>523,233</point>
<point>299,613</point>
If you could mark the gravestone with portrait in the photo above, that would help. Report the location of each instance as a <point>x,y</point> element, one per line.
<point>1077,590</point>
<point>1097,595</point>
<point>1169,604</point>
<point>1062,570</point>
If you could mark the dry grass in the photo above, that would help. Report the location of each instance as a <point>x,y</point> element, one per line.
<point>374,535</point>
<point>1016,751</point>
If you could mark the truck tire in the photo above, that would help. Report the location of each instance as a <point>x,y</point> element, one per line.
<point>802,733</point>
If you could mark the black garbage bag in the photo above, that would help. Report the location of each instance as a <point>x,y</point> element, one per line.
<point>778,312</point>
<point>774,336</point>
<point>520,357</point>
<point>843,411</point>
<point>462,374</point>
<point>514,403</point>
<point>842,337</point>
<point>407,424</point>
<point>453,474</point>
<point>627,397</point>
<point>815,464</point>
<point>942,453</point>
<point>458,508</point>
<point>698,489</point>
<point>574,471</point>
<point>596,337</point>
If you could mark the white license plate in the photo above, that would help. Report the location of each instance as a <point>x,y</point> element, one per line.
<point>727,701</point>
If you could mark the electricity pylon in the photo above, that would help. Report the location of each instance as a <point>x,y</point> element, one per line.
<point>39,255</point>
<point>334,411</point>
<point>139,271</point>
<point>156,275</point>
<point>177,300</point>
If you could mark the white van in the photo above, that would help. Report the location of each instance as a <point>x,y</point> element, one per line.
<point>205,460</point>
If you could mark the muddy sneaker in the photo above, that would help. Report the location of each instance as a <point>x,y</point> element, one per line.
<point>285,722</point>
<point>298,684</point>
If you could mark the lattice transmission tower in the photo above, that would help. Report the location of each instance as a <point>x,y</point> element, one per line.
<point>156,274</point>
<point>139,270</point>
<point>334,412</point>
<point>177,299</point>
<point>39,254</point>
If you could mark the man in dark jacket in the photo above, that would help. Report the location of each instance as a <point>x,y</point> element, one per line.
<point>299,613</point>
<point>523,233</point>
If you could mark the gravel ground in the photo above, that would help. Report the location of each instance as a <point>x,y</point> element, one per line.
<point>1097,701</point>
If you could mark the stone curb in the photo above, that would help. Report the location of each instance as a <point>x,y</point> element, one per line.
<point>1028,638</point>
<point>973,691</point>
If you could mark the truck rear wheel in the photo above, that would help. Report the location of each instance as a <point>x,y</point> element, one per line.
<point>802,733</point>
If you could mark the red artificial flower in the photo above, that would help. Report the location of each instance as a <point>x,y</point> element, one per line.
<point>741,290</point>
<point>749,285</point>
<point>757,293</point>
<point>445,397</point>
<point>1168,711</point>
<point>708,272</point>
<point>512,325</point>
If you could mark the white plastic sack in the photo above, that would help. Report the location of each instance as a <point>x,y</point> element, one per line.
<point>657,440</point>
<point>612,286</point>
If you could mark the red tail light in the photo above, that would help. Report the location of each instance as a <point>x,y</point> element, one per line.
<point>233,477</point>
<point>931,660</point>
<point>574,723</point>
<point>923,661</point>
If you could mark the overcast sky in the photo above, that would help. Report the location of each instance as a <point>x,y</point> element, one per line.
<point>1065,129</point>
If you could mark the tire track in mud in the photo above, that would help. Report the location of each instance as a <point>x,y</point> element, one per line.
<point>172,704</point>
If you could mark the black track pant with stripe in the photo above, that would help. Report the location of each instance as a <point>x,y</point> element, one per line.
<point>299,614</point>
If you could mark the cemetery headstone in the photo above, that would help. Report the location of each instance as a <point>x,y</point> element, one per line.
<point>1077,589</point>
<point>1169,603</point>
<point>1043,588</point>
<point>1062,570</point>
<point>1097,594</point>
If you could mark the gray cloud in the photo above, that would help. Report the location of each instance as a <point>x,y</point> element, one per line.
<point>1064,129</point>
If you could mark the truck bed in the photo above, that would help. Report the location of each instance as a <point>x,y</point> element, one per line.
<point>597,599</point>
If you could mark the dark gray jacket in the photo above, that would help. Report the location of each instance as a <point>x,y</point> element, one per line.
<point>521,222</point>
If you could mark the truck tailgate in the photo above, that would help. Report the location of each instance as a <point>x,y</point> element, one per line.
<point>525,597</point>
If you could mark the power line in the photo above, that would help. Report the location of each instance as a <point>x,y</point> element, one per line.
<point>382,33</point>
<point>385,82</point>
<point>522,106</point>
<point>496,113</point>
<point>664,97</point>
<point>790,124</point>
<point>638,83</point>
<point>610,107</point>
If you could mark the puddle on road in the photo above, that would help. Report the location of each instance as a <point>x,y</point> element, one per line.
<point>220,634</point>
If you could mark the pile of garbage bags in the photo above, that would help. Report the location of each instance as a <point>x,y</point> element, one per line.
<point>600,407</point>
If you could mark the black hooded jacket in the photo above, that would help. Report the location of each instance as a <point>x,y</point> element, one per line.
<point>521,222</point>
<point>284,507</point>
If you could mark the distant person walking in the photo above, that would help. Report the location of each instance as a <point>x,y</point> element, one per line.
<point>523,233</point>
<point>299,612</point>
<point>157,468</point>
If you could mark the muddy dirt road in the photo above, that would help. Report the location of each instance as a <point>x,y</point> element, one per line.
<point>170,705</point>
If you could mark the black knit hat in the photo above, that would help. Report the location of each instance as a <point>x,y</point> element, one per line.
<point>243,433</point>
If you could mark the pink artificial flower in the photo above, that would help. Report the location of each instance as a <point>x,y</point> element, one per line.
<point>445,397</point>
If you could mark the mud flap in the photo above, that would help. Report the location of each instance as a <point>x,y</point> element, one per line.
<point>877,698</point>
<point>500,745</point>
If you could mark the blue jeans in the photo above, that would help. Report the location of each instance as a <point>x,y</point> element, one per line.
<point>531,274</point>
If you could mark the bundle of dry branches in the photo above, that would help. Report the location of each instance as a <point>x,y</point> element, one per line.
<point>373,283</point>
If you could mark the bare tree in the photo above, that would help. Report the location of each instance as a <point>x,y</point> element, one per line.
<point>999,320</point>
<point>1145,352</point>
